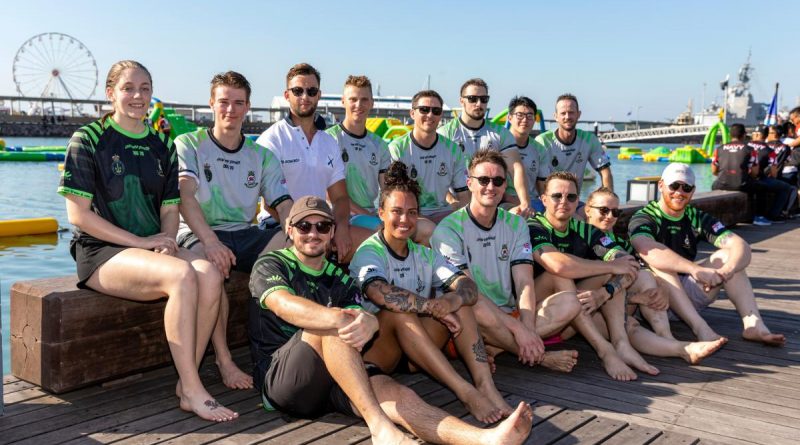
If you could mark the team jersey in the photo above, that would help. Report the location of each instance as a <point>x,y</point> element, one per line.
<point>621,242</point>
<point>580,239</point>
<point>282,270</point>
<point>128,177</point>
<point>229,182</point>
<point>560,156</point>
<point>437,169</point>
<point>488,252</point>
<point>765,157</point>
<point>734,161</point>
<point>489,136</point>
<point>679,234</point>
<point>423,271</point>
<point>365,158</point>
<point>533,157</point>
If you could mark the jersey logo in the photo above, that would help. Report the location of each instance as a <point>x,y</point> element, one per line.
<point>579,158</point>
<point>345,156</point>
<point>117,167</point>
<point>605,241</point>
<point>273,279</point>
<point>526,248</point>
<point>413,173</point>
<point>330,161</point>
<point>554,162</point>
<point>503,253</point>
<point>442,170</point>
<point>420,285</point>
<point>717,226</point>
<point>159,170</point>
<point>687,243</point>
<point>373,160</point>
<point>533,165</point>
<point>462,147</point>
<point>207,171</point>
<point>251,180</point>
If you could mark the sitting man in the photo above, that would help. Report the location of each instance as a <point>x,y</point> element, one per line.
<point>493,246</point>
<point>567,249</point>
<point>306,333</point>
<point>222,174</point>
<point>666,232</point>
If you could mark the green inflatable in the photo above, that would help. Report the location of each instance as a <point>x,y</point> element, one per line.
<point>711,137</point>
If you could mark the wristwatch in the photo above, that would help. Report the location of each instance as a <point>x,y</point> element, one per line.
<point>611,289</point>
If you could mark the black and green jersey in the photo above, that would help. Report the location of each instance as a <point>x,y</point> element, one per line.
<point>622,242</point>
<point>127,176</point>
<point>679,234</point>
<point>581,239</point>
<point>282,270</point>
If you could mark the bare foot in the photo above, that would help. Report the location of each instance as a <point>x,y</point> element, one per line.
<point>695,352</point>
<point>616,367</point>
<point>206,407</point>
<point>561,361</point>
<point>632,358</point>
<point>490,392</point>
<point>481,407</point>
<point>708,335</point>
<point>491,353</point>
<point>233,377</point>
<point>512,431</point>
<point>764,336</point>
<point>392,436</point>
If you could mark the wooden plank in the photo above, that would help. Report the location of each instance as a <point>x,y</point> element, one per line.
<point>595,431</point>
<point>669,438</point>
<point>558,426</point>
<point>633,435</point>
<point>264,431</point>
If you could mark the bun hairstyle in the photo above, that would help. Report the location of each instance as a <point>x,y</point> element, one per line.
<point>397,179</point>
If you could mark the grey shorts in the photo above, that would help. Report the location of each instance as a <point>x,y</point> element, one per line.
<point>247,244</point>
<point>694,290</point>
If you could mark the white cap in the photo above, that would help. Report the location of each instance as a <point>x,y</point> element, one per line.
<point>678,171</point>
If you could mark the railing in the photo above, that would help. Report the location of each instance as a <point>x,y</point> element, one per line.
<point>654,133</point>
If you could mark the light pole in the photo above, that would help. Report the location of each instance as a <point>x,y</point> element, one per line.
<point>638,107</point>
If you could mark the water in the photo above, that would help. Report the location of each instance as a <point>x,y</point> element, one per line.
<point>28,190</point>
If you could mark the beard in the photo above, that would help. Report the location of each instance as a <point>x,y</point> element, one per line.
<point>477,114</point>
<point>308,113</point>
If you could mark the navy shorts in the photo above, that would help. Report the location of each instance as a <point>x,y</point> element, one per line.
<point>247,244</point>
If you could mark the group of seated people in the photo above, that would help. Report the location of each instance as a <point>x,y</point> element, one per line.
<point>461,241</point>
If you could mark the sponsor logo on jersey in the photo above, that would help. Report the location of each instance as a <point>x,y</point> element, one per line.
<point>442,170</point>
<point>345,156</point>
<point>606,241</point>
<point>251,179</point>
<point>717,226</point>
<point>159,170</point>
<point>330,161</point>
<point>273,279</point>
<point>371,269</point>
<point>373,160</point>
<point>207,171</point>
<point>117,167</point>
<point>503,253</point>
<point>526,248</point>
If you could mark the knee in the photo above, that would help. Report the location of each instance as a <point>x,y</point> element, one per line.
<point>568,305</point>
<point>719,258</point>
<point>182,276</point>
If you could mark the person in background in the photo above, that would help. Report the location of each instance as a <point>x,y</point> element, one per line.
<point>521,117</point>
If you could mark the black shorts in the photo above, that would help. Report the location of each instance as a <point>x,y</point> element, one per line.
<point>247,244</point>
<point>298,383</point>
<point>89,254</point>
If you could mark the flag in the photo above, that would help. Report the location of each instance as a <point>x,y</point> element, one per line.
<point>772,113</point>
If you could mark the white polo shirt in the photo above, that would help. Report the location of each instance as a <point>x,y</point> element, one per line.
<point>309,169</point>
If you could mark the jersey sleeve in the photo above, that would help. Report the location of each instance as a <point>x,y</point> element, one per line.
<point>522,253</point>
<point>444,273</point>
<point>597,156</point>
<point>539,235</point>
<point>447,242</point>
<point>273,184</point>
<point>711,228</point>
<point>187,157</point>
<point>604,246</point>
<point>544,159</point>
<point>79,166</point>
<point>268,276</point>
<point>459,181</point>
<point>172,195</point>
<point>368,265</point>
<point>507,141</point>
<point>642,224</point>
<point>337,162</point>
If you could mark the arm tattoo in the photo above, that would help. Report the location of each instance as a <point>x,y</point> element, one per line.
<point>467,290</point>
<point>480,351</point>
<point>397,299</point>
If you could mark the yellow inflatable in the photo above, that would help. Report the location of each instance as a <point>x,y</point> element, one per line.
<point>32,226</point>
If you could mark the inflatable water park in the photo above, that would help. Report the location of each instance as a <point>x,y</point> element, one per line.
<point>687,154</point>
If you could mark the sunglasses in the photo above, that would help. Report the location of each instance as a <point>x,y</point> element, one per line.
<point>497,181</point>
<point>616,213</point>
<point>571,197</point>
<point>298,91</point>
<point>686,188</point>
<point>304,227</point>
<point>423,109</point>
<point>474,99</point>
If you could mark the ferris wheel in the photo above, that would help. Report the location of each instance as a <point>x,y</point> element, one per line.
<point>55,65</point>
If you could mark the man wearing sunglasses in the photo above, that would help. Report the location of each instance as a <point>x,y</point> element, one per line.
<point>521,118</point>
<point>666,234</point>
<point>493,247</point>
<point>569,149</point>
<point>472,132</point>
<point>222,176</point>
<point>572,255</point>
<point>307,330</point>
<point>311,160</point>
<point>434,161</point>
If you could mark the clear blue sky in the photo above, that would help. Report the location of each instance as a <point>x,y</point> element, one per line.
<point>614,55</point>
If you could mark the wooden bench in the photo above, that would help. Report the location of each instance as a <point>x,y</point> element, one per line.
<point>63,338</point>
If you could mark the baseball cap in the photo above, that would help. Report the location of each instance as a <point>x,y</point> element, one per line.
<point>678,171</point>
<point>307,206</point>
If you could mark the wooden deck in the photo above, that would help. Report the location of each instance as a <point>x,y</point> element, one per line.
<point>744,394</point>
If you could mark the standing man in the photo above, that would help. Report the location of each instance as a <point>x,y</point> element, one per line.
<point>472,132</point>
<point>569,148</point>
<point>307,330</point>
<point>666,234</point>
<point>311,160</point>
<point>365,154</point>
<point>521,117</point>
<point>222,175</point>
<point>435,162</point>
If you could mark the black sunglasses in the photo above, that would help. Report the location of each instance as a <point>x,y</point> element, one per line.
<point>497,181</point>
<point>571,197</point>
<point>298,91</point>
<point>304,227</point>
<point>437,111</point>
<point>616,213</point>
<point>679,185</point>
<point>473,99</point>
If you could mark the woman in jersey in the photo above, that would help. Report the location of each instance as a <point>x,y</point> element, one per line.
<point>602,211</point>
<point>424,300</point>
<point>121,185</point>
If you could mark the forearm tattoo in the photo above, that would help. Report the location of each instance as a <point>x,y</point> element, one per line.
<point>467,289</point>
<point>397,299</point>
<point>479,349</point>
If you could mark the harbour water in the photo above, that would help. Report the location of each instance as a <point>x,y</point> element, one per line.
<point>28,190</point>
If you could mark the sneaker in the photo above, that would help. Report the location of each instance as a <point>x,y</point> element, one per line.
<point>761,221</point>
